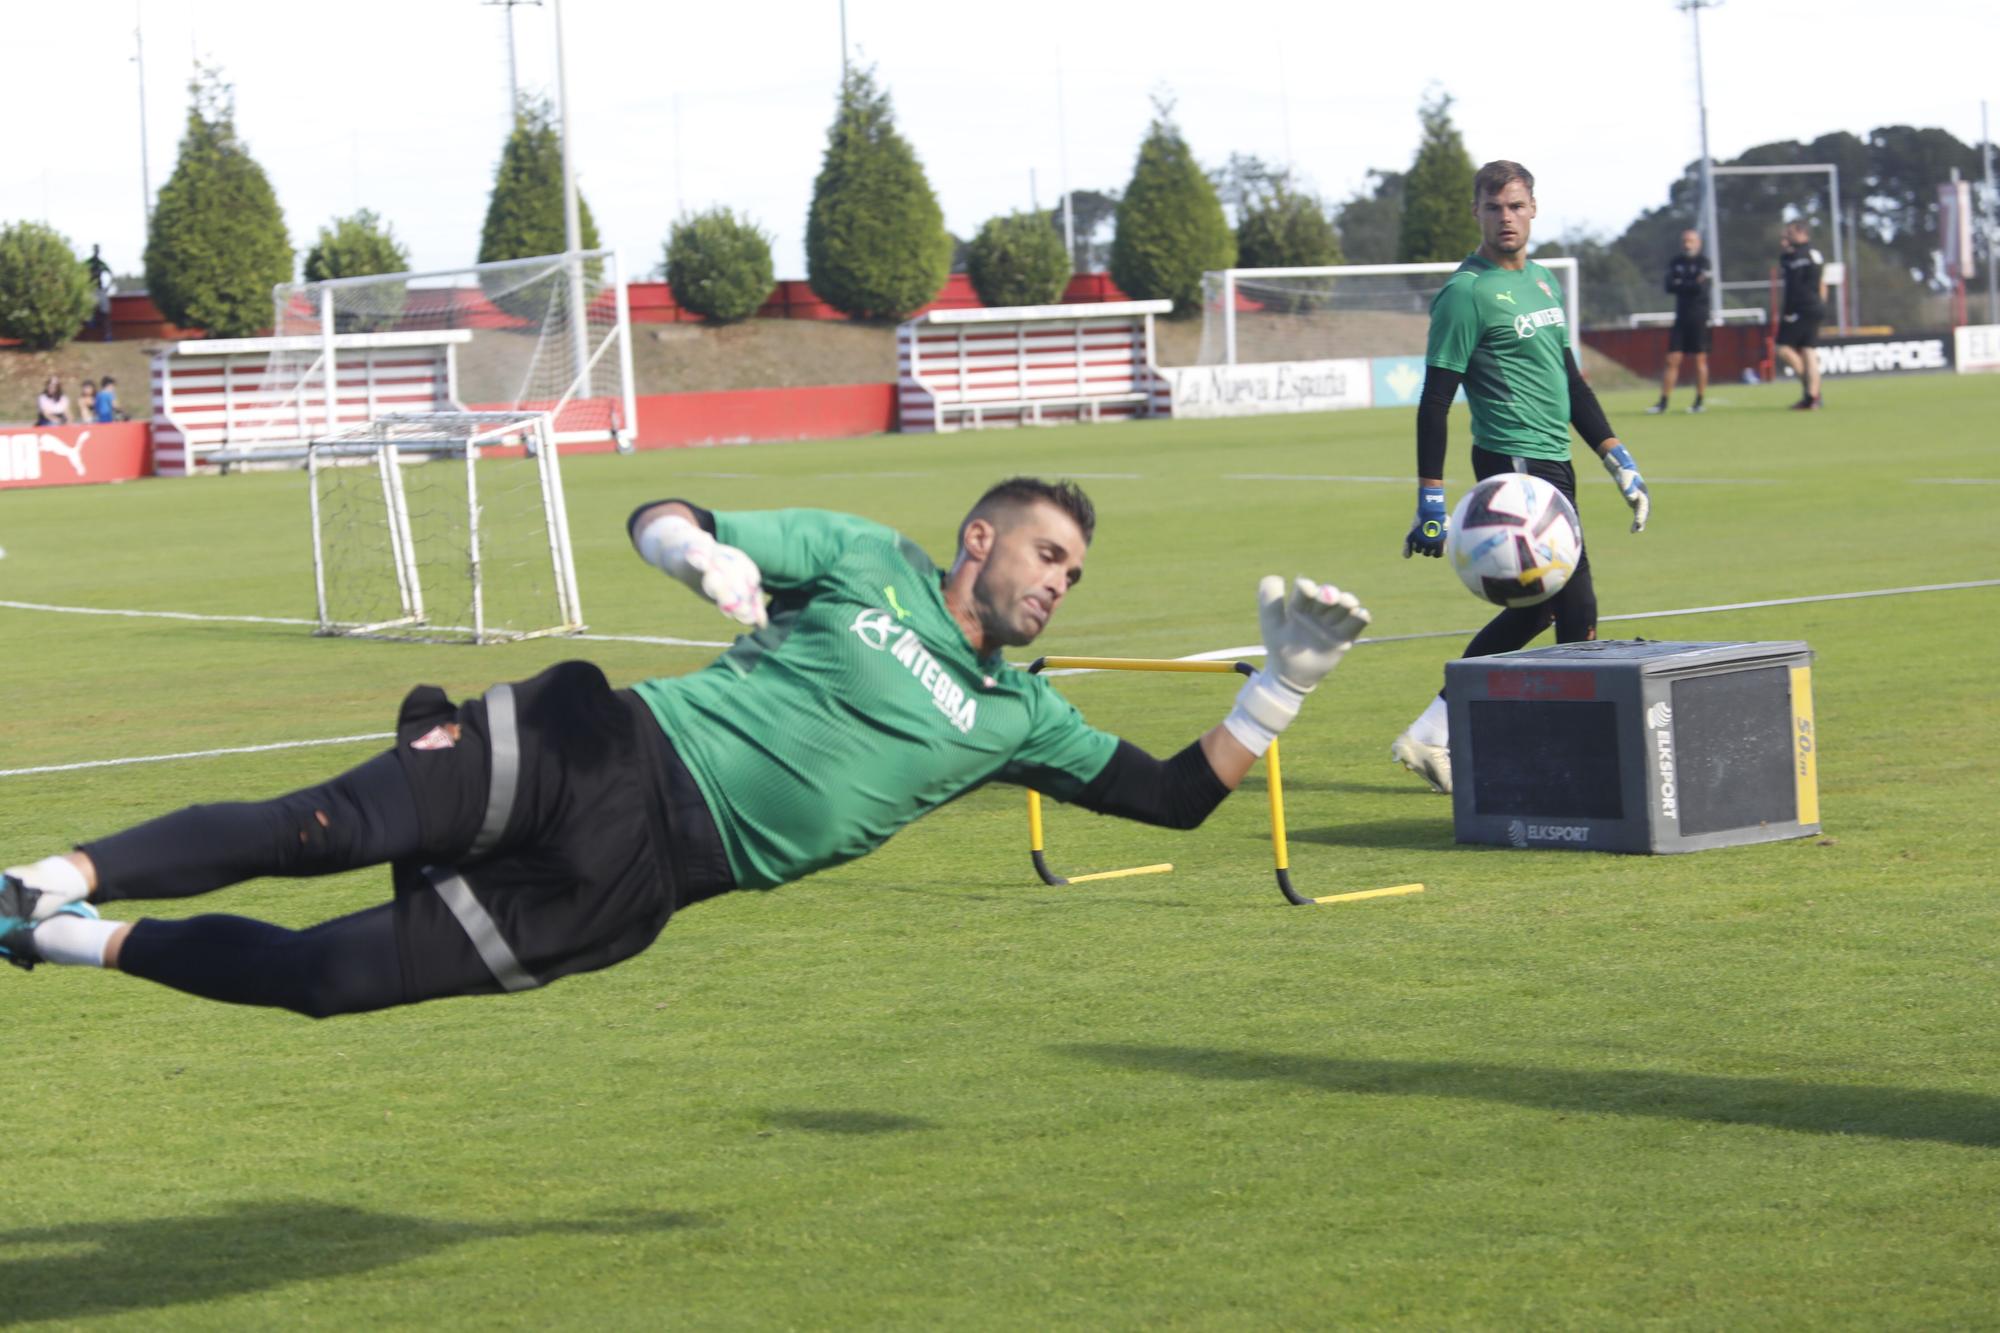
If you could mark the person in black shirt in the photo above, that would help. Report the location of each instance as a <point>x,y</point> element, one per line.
<point>1689,279</point>
<point>1805,302</point>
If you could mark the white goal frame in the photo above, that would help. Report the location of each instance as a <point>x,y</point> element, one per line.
<point>391,442</point>
<point>323,370</point>
<point>1564,267</point>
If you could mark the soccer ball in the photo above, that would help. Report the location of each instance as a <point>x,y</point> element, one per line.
<point>1514,540</point>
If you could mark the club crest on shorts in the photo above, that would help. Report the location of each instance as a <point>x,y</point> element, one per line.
<point>437,738</point>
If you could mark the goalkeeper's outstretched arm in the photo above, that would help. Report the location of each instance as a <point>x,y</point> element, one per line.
<point>679,538</point>
<point>1308,628</point>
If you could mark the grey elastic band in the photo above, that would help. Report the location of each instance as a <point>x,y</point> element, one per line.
<point>505,743</point>
<point>481,929</point>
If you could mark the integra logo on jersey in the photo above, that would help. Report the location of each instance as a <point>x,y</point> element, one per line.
<point>874,628</point>
<point>1525,325</point>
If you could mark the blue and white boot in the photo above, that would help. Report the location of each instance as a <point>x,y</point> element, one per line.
<point>18,923</point>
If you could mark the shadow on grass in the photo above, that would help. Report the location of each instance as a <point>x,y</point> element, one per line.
<point>846,1122</point>
<point>1812,1108</point>
<point>1429,833</point>
<point>111,1267</point>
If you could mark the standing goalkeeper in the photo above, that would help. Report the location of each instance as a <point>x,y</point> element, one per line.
<point>1498,329</point>
<point>553,825</point>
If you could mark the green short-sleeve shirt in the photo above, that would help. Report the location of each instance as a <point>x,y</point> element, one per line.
<point>860,707</point>
<point>1507,333</point>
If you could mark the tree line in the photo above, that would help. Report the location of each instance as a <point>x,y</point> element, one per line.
<point>877,247</point>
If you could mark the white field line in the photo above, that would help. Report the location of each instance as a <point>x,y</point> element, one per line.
<point>1257,649</point>
<point>197,754</point>
<point>661,640</point>
<point>1213,655</point>
<point>1411,481</point>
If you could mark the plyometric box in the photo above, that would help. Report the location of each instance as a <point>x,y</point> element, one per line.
<point>1631,746</point>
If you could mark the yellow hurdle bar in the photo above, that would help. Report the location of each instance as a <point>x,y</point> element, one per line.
<point>1280,851</point>
<point>1136,664</point>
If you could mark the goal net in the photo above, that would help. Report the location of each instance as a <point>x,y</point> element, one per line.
<point>1322,314</point>
<point>442,527</point>
<point>550,335</point>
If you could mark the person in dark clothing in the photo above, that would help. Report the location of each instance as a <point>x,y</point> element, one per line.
<point>1804,270</point>
<point>1690,281</point>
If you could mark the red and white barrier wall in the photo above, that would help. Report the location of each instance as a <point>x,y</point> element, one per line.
<point>73,455</point>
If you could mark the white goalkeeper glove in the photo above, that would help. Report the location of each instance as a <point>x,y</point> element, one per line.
<point>1307,629</point>
<point>720,573</point>
<point>1618,462</point>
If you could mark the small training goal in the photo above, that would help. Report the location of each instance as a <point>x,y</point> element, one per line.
<point>443,527</point>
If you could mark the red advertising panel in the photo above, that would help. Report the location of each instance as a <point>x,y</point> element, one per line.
<point>72,455</point>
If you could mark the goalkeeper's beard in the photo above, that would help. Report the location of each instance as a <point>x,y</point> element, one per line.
<point>1004,614</point>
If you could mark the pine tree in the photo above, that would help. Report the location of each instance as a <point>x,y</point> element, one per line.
<point>1018,260</point>
<point>1438,224</point>
<point>1170,223</point>
<point>524,215</point>
<point>45,291</point>
<point>217,244</point>
<point>876,245</point>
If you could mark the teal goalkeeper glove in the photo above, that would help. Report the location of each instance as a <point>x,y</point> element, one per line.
<point>1427,533</point>
<point>1618,462</point>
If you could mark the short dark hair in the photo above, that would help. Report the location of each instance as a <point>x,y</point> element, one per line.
<point>1018,492</point>
<point>1495,177</point>
<point>106,380</point>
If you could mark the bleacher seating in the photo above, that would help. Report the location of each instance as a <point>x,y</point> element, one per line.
<point>211,396</point>
<point>1029,365</point>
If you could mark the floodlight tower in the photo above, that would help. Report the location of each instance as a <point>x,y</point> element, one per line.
<point>145,168</point>
<point>572,225</point>
<point>1711,233</point>
<point>513,73</point>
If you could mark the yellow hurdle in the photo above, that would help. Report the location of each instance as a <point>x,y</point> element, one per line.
<point>1274,774</point>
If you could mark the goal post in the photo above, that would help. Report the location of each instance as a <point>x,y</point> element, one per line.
<point>442,527</point>
<point>1252,315</point>
<point>548,335</point>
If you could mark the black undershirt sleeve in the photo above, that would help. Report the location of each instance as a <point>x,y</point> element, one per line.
<point>1175,793</point>
<point>1440,387</point>
<point>703,517</point>
<point>1585,413</point>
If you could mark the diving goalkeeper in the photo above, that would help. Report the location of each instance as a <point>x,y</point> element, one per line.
<point>553,825</point>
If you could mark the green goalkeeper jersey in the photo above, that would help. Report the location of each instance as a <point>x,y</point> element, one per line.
<point>1505,331</point>
<point>860,707</point>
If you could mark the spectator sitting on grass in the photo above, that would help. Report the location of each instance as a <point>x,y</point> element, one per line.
<point>105,406</point>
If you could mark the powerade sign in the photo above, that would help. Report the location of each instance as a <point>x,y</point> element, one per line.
<point>1922,354</point>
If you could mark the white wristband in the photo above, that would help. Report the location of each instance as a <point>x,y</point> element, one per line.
<point>1264,707</point>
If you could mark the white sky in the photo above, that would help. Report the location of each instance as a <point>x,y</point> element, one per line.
<point>402,106</point>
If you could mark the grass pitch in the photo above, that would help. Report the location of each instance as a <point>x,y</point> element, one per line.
<point>1748,1087</point>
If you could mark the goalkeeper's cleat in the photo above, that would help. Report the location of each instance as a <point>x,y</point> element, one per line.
<point>1432,763</point>
<point>17,940</point>
<point>18,923</point>
<point>1658,408</point>
<point>1697,408</point>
